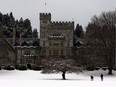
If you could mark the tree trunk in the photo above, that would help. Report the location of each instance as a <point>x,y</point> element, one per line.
<point>110,67</point>
<point>63,75</point>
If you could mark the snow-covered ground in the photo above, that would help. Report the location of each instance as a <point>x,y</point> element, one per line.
<point>36,79</point>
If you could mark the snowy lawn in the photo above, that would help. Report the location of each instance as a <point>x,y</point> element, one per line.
<point>30,78</point>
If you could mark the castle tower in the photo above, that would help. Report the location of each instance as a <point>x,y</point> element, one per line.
<point>56,37</point>
<point>45,20</point>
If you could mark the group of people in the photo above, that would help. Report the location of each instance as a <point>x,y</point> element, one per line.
<point>101,76</point>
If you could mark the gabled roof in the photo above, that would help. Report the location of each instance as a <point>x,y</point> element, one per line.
<point>9,44</point>
<point>35,43</point>
<point>25,44</point>
<point>16,44</point>
<point>25,41</point>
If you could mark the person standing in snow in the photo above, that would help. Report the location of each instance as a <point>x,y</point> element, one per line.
<point>101,77</point>
<point>92,78</point>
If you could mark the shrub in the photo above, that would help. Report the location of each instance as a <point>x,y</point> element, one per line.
<point>90,68</point>
<point>104,68</point>
<point>9,68</point>
<point>114,68</point>
<point>22,68</point>
<point>37,68</point>
<point>97,68</point>
<point>17,67</point>
<point>2,67</point>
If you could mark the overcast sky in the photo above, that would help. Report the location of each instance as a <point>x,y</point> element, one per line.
<point>80,11</point>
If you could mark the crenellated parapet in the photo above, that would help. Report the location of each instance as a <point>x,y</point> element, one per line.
<point>45,19</point>
<point>62,24</point>
<point>45,16</point>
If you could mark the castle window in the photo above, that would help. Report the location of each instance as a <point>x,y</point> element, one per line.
<point>43,51</point>
<point>44,21</point>
<point>61,44</point>
<point>23,61</point>
<point>68,52</point>
<point>43,27</point>
<point>56,35</point>
<point>50,44</point>
<point>55,44</point>
<point>29,61</point>
<point>50,52</point>
<point>43,43</point>
<point>27,52</point>
<point>62,52</point>
<point>55,52</point>
<point>43,35</point>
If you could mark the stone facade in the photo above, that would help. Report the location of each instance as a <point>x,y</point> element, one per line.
<point>18,54</point>
<point>28,51</point>
<point>27,55</point>
<point>56,41</point>
<point>88,56</point>
<point>7,51</point>
<point>56,38</point>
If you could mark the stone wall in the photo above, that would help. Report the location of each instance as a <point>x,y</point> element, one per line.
<point>56,38</point>
<point>27,55</point>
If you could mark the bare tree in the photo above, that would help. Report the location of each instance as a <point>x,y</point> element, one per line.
<point>56,65</point>
<point>101,32</point>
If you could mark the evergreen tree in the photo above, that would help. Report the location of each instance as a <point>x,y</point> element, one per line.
<point>1,17</point>
<point>79,32</point>
<point>23,26</point>
<point>35,33</point>
<point>27,28</point>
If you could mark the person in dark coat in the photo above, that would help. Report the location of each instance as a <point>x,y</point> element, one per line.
<point>92,78</point>
<point>101,77</point>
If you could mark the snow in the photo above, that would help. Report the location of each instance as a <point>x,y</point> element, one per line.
<point>31,78</point>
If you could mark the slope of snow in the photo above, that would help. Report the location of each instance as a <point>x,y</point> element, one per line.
<point>36,79</point>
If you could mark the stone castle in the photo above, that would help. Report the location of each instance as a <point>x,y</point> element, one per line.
<point>56,38</point>
<point>56,41</point>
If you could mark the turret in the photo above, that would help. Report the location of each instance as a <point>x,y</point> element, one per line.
<point>45,16</point>
<point>45,19</point>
